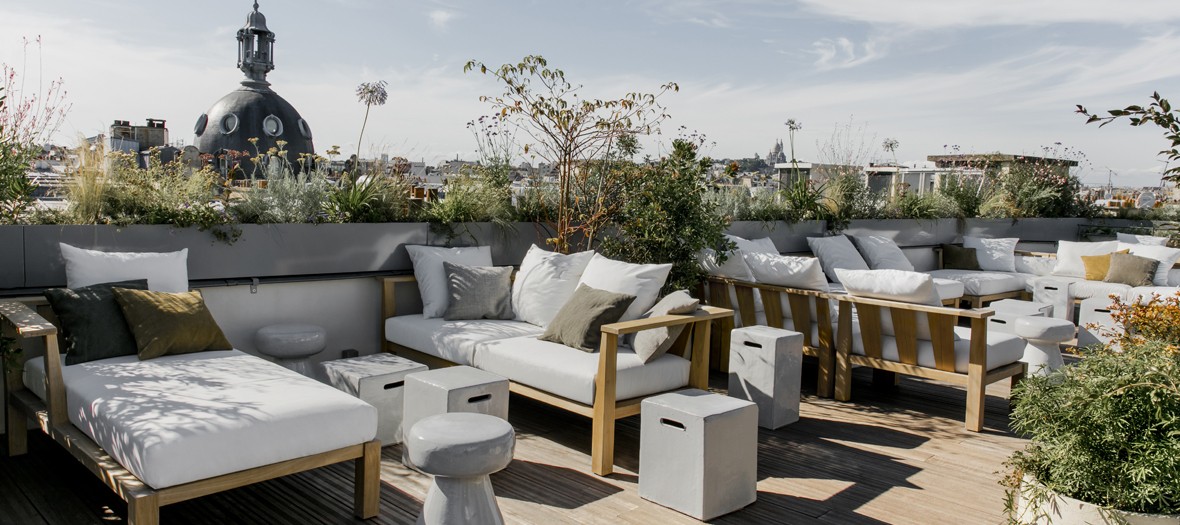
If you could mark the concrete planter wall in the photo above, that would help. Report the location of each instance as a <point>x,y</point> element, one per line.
<point>908,232</point>
<point>787,237</point>
<point>1056,508</point>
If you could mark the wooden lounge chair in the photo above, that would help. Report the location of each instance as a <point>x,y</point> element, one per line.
<point>49,411</point>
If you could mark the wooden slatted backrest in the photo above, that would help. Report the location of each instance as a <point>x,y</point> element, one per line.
<point>801,315</point>
<point>905,319</point>
<point>942,336</point>
<point>772,307</point>
<point>745,300</point>
<point>905,331</point>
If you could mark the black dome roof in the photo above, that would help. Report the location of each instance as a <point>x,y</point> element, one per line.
<point>253,112</point>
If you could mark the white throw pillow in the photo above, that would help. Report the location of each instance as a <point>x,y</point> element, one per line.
<point>1166,256</point>
<point>882,253</point>
<point>836,252</point>
<point>641,280</point>
<point>545,282</point>
<point>1035,265</point>
<point>432,277</point>
<point>784,270</point>
<point>734,267</point>
<point>1151,240</point>
<point>763,245</point>
<point>996,255</point>
<point>1069,256</point>
<point>895,285</point>
<point>165,272</point>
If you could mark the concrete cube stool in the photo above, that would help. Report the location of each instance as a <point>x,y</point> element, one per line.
<point>379,380</point>
<point>1044,336</point>
<point>460,450</point>
<point>1094,311</point>
<point>291,344</point>
<point>698,452</point>
<point>765,366</point>
<point>1055,292</point>
<point>452,389</point>
<point>1008,310</point>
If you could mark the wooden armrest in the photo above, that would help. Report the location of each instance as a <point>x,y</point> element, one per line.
<point>704,313</point>
<point>974,313</point>
<point>27,322</point>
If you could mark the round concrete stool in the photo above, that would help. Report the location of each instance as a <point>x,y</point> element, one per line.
<point>460,449</point>
<point>291,344</point>
<point>1044,336</point>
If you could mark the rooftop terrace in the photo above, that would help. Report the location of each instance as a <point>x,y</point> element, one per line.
<point>893,456</point>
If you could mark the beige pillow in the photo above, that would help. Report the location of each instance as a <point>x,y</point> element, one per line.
<point>578,324</point>
<point>1131,270</point>
<point>653,343</point>
<point>1097,265</point>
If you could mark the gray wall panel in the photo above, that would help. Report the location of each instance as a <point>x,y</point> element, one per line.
<point>12,256</point>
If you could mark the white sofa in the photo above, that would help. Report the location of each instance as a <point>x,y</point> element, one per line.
<point>173,428</point>
<point>605,385</point>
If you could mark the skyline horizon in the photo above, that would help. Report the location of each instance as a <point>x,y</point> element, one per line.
<point>904,73</point>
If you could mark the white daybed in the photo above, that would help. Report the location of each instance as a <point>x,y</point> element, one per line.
<point>178,427</point>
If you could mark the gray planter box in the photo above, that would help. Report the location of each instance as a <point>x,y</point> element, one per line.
<point>908,232</point>
<point>788,237</point>
<point>12,256</point>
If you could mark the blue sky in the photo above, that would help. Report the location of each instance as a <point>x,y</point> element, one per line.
<point>999,75</point>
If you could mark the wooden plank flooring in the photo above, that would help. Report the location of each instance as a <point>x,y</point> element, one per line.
<point>889,456</point>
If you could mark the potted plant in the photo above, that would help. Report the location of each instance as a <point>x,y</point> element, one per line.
<point>1104,432</point>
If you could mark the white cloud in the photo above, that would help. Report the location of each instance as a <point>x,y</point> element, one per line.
<point>842,53</point>
<point>935,14</point>
<point>439,18</point>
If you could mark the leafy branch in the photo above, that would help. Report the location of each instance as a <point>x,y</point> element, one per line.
<point>1160,113</point>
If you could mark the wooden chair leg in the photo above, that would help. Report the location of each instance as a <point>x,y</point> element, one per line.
<point>17,432</point>
<point>144,510</point>
<point>367,483</point>
<point>602,446</point>
<point>843,386</point>
<point>976,370</point>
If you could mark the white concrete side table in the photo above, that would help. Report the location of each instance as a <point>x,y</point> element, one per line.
<point>291,344</point>
<point>698,452</point>
<point>379,380</point>
<point>1055,291</point>
<point>1044,336</point>
<point>453,389</point>
<point>460,450</point>
<point>1094,311</point>
<point>765,366</point>
<point>1008,310</point>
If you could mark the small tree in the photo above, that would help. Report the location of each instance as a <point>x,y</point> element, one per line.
<point>570,132</point>
<point>1160,113</point>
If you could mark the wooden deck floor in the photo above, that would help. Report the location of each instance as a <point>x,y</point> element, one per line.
<point>890,456</point>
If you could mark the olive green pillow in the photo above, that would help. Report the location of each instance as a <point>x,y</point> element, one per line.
<point>91,322</point>
<point>170,323</point>
<point>1131,270</point>
<point>959,258</point>
<point>578,323</point>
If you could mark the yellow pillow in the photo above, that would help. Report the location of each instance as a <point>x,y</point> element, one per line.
<point>169,323</point>
<point>1097,265</point>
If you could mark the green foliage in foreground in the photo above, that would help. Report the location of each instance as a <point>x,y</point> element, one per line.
<point>1105,430</point>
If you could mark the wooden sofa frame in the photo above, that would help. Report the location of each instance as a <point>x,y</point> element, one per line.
<point>942,322</point>
<point>799,301</point>
<point>143,502</point>
<point>606,408</point>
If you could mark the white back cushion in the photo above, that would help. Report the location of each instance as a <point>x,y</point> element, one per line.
<point>641,280</point>
<point>1130,238</point>
<point>734,267</point>
<point>1069,256</point>
<point>997,255</point>
<point>432,277</point>
<point>894,285</point>
<point>763,245</point>
<point>1035,265</point>
<point>165,272</point>
<point>1166,256</point>
<point>881,253</point>
<point>545,282</point>
<point>784,270</point>
<point>836,252</point>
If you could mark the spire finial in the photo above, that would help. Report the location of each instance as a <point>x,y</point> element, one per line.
<point>255,5</point>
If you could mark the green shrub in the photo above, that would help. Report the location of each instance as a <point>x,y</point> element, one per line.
<point>287,197</point>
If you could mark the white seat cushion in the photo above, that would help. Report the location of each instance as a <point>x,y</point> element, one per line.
<point>946,289</point>
<point>1147,291</point>
<point>1002,349</point>
<point>454,341</point>
<point>569,372</point>
<point>1086,289</point>
<point>183,418</point>
<point>983,283</point>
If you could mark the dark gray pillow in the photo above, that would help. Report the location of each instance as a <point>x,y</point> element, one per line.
<point>653,343</point>
<point>578,323</point>
<point>478,292</point>
<point>92,324</point>
<point>959,258</point>
<point>1131,270</point>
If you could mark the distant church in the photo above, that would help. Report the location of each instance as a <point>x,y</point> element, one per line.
<point>254,110</point>
<point>776,154</point>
